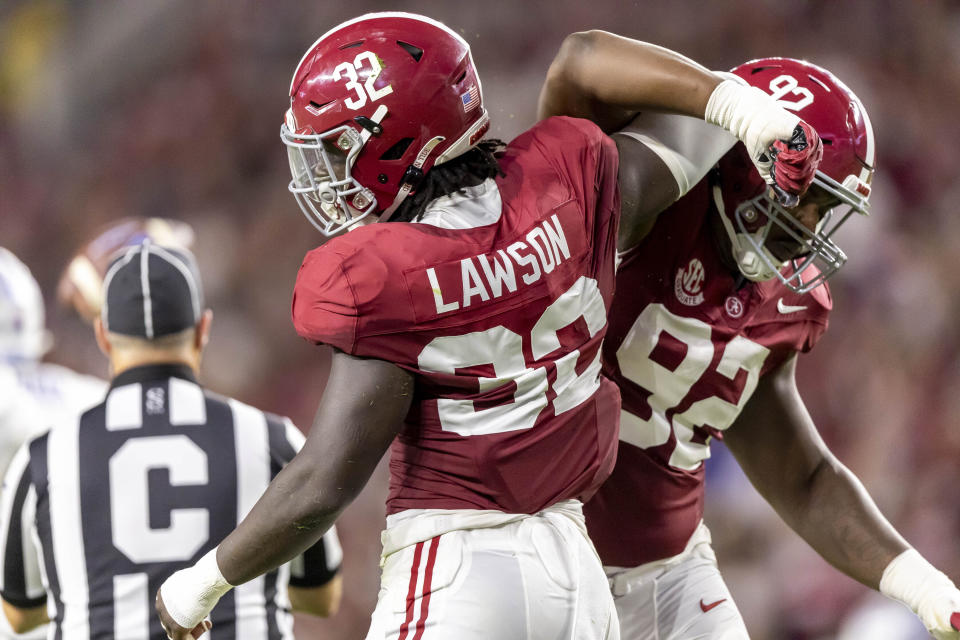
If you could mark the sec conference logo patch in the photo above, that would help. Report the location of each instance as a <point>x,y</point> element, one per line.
<point>689,283</point>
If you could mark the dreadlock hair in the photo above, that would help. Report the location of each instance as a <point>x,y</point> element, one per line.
<point>466,170</point>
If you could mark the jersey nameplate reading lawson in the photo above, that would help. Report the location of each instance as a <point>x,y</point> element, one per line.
<point>466,283</point>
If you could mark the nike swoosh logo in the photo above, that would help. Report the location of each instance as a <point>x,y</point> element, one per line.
<point>786,308</point>
<point>707,607</point>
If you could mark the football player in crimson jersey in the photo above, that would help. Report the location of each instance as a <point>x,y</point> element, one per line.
<point>721,293</point>
<point>466,326</point>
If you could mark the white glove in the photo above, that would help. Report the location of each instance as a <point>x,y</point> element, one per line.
<point>754,117</point>
<point>190,594</point>
<point>930,594</point>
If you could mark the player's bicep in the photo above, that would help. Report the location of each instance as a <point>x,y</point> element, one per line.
<point>662,157</point>
<point>646,189</point>
<point>363,407</point>
<point>774,439</point>
<point>570,85</point>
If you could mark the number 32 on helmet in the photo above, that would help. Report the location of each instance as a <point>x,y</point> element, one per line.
<point>374,104</point>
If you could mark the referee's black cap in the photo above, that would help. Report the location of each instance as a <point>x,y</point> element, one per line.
<point>151,291</point>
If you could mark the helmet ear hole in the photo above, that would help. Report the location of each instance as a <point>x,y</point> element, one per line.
<point>396,151</point>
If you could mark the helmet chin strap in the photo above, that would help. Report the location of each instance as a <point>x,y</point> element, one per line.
<point>748,262</point>
<point>365,134</point>
<point>407,186</point>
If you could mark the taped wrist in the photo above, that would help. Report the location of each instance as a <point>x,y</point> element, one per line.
<point>750,114</point>
<point>910,579</point>
<point>190,594</point>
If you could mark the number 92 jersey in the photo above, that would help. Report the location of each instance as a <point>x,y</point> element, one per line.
<point>496,302</point>
<point>686,346</point>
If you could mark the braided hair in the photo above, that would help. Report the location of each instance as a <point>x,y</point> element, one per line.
<point>466,170</point>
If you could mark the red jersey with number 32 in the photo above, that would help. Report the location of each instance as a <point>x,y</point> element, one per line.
<point>497,303</point>
<point>686,346</point>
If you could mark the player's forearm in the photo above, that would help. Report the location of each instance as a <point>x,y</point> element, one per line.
<point>291,516</point>
<point>608,79</point>
<point>297,508</point>
<point>843,524</point>
<point>836,516</point>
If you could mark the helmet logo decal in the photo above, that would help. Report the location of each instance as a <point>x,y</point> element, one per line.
<point>785,85</point>
<point>689,283</point>
<point>365,90</point>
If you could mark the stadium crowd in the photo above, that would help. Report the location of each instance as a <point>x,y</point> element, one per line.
<point>173,109</point>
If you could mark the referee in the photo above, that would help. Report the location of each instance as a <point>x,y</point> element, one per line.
<point>99,511</point>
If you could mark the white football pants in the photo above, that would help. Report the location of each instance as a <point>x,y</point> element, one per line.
<point>536,577</point>
<point>679,598</point>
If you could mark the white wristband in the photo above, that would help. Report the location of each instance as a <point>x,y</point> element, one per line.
<point>916,583</point>
<point>751,115</point>
<point>190,594</point>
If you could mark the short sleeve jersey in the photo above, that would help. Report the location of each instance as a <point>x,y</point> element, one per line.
<point>497,303</point>
<point>687,344</point>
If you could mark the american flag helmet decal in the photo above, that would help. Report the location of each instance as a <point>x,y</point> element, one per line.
<point>470,99</point>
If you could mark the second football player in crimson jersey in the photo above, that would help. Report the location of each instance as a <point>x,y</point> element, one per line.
<point>713,305</point>
<point>467,329</point>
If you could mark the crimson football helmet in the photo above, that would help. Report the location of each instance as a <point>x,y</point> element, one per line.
<point>842,182</point>
<point>374,104</point>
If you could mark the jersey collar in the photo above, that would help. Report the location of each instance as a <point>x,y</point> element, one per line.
<point>153,372</point>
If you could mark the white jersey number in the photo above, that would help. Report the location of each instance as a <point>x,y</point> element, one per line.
<point>353,79</point>
<point>669,387</point>
<point>130,501</point>
<point>503,350</point>
<point>785,85</point>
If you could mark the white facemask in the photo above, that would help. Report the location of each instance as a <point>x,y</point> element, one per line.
<point>742,246</point>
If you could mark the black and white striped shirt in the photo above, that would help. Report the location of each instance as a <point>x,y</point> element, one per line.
<point>97,513</point>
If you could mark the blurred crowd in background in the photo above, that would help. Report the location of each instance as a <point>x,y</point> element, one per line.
<point>173,108</point>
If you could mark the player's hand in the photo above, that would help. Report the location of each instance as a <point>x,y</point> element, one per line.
<point>175,631</point>
<point>912,580</point>
<point>795,163</point>
<point>768,131</point>
<point>940,614</point>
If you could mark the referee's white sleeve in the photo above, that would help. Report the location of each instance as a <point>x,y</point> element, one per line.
<point>20,581</point>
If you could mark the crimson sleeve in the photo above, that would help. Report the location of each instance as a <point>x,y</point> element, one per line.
<point>324,307</point>
<point>587,160</point>
<point>584,156</point>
